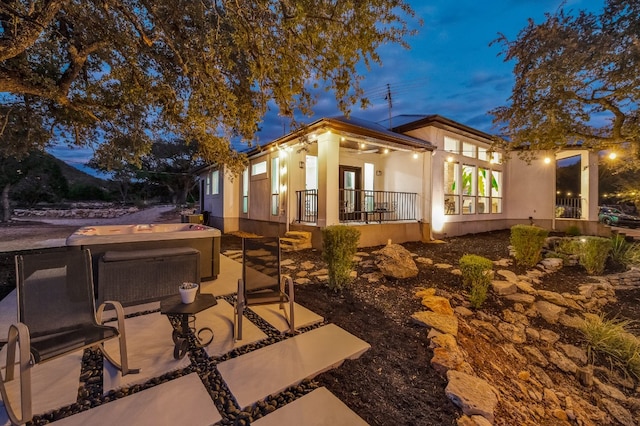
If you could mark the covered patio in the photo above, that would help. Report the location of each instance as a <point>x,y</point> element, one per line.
<point>219,383</point>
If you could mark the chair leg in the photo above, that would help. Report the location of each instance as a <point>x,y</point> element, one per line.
<point>238,311</point>
<point>292,322</point>
<point>123,365</point>
<point>18,333</point>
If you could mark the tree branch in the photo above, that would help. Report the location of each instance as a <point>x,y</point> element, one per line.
<point>29,30</point>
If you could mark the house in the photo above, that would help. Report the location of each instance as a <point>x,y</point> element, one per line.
<point>427,177</point>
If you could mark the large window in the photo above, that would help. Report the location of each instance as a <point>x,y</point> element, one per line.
<point>471,186</point>
<point>245,191</point>
<point>275,186</point>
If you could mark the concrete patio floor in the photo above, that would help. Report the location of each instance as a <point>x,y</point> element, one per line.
<point>251,377</point>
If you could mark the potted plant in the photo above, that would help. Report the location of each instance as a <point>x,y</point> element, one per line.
<point>188,292</point>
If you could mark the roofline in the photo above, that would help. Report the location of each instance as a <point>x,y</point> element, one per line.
<point>346,128</point>
<point>441,122</point>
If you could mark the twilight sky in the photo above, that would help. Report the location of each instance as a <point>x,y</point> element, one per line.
<point>450,69</point>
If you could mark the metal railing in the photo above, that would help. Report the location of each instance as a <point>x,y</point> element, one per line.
<point>307,202</point>
<point>376,206</point>
<point>569,207</point>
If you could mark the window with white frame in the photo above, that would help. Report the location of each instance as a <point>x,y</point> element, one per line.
<point>496,191</point>
<point>451,145</point>
<point>469,149</point>
<point>245,190</point>
<point>259,168</point>
<point>207,184</point>
<point>215,182</point>
<point>451,188</point>
<point>472,184</point>
<point>275,186</point>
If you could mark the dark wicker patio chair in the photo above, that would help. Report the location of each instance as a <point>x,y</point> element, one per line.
<point>56,316</point>
<point>261,281</point>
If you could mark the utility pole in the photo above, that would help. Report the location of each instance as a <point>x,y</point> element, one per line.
<point>388,99</point>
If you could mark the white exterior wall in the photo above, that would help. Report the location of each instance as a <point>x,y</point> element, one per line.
<point>530,190</point>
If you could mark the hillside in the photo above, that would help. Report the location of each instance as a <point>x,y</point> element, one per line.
<point>76,176</point>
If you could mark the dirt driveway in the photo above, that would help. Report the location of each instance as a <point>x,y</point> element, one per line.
<point>34,233</point>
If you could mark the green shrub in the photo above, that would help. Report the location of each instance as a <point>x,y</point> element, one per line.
<point>339,245</point>
<point>476,275</point>
<point>527,241</point>
<point>594,254</point>
<point>612,340</point>
<point>573,231</point>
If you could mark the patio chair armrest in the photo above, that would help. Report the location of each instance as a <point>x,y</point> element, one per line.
<point>117,306</point>
<point>18,335</point>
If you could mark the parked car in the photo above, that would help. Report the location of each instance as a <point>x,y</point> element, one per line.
<point>615,217</point>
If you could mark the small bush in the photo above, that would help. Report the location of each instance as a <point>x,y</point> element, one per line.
<point>339,245</point>
<point>476,275</point>
<point>594,254</point>
<point>527,241</point>
<point>611,339</point>
<point>573,231</point>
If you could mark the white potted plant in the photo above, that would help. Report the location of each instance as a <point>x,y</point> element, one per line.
<point>188,292</point>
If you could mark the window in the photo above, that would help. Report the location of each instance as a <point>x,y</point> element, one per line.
<point>451,145</point>
<point>483,191</point>
<point>275,186</point>
<point>496,158</point>
<point>207,184</point>
<point>468,189</point>
<point>496,192</point>
<point>451,188</point>
<point>468,149</point>
<point>215,182</point>
<point>483,154</point>
<point>368,186</point>
<point>259,168</point>
<point>245,191</point>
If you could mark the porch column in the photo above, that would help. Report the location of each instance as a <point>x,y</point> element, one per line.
<point>328,170</point>
<point>589,184</point>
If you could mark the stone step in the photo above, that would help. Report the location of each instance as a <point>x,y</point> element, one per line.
<point>292,244</point>
<point>298,235</point>
<point>270,370</point>
<point>318,408</point>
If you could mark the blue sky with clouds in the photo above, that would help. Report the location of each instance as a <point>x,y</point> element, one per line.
<point>450,69</point>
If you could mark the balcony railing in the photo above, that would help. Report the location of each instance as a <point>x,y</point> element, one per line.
<point>569,207</point>
<point>376,206</point>
<point>361,206</point>
<point>307,202</point>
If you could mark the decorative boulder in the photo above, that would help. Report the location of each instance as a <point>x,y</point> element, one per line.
<point>395,261</point>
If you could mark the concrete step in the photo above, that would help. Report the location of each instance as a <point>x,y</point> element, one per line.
<point>318,408</point>
<point>270,370</point>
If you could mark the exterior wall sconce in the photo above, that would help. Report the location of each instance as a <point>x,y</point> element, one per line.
<point>378,172</point>
<point>301,164</point>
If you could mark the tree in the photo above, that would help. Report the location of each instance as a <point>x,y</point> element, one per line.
<point>121,73</point>
<point>168,165</point>
<point>576,83</point>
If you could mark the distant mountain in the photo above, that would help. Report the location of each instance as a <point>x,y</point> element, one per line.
<point>76,176</point>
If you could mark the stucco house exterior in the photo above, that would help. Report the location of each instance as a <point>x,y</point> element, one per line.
<point>426,177</point>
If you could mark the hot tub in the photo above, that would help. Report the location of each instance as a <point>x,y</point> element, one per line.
<point>102,238</point>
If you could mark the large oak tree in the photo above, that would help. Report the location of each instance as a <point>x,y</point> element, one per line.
<point>122,73</point>
<point>577,82</point>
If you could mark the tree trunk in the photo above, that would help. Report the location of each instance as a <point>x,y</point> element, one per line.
<point>6,207</point>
